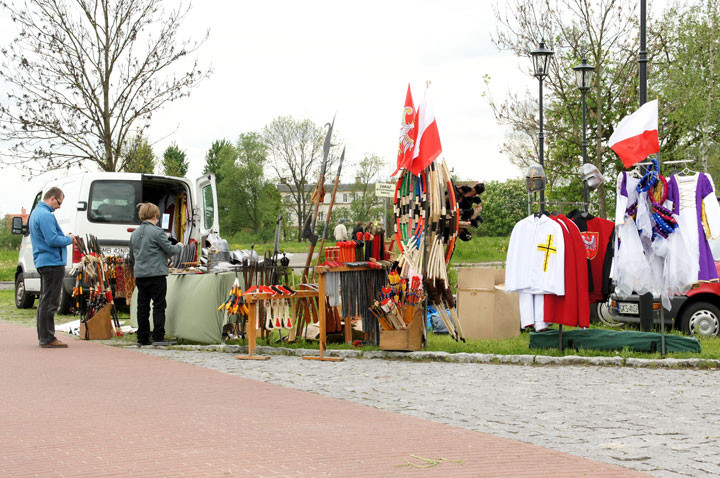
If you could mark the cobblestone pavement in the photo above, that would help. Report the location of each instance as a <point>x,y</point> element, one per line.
<point>663,422</point>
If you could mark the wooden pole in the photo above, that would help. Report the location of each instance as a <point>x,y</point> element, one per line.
<point>321,318</point>
<point>252,332</point>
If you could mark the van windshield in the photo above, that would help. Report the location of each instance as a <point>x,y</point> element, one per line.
<point>114,201</point>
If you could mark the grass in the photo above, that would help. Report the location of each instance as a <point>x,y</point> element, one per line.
<point>514,346</point>
<point>8,264</point>
<point>288,246</point>
<point>481,249</point>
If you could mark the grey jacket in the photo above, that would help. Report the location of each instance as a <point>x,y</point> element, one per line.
<point>149,251</point>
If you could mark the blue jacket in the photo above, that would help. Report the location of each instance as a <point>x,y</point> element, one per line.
<point>49,243</point>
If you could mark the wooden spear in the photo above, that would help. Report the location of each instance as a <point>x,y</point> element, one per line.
<point>317,198</point>
<point>330,208</point>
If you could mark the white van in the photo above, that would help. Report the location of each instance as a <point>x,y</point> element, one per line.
<point>103,204</point>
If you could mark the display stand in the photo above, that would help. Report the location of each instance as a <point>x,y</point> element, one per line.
<point>320,294</point>
<point>321,271</point>
<point>252,305</point>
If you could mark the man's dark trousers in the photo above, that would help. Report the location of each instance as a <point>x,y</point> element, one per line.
<point>51,279</point>
<point>151,288</point>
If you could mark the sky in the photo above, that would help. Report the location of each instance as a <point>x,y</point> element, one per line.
<point>316,59</point>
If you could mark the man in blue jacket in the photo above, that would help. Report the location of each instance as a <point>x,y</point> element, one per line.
<point>49,245</point>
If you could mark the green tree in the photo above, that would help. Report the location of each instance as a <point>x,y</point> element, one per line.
<point>686,73</point>
<point>139,157</point>
<point>212,158</point>
<point>82,75</point>
<point>250,201</point>
<point>504,204</point>
<point>603,31</point>
<point>175,162</point>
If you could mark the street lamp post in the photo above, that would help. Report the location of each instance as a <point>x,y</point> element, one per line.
<point>583,79</point>
<point>541,61</point>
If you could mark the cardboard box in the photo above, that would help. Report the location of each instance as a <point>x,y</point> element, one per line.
<point>406,340</point>
<point>99,326</point>
<point>485,309</point>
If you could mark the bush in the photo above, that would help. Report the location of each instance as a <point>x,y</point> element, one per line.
<point>504,204</point>
<point>7,239</point>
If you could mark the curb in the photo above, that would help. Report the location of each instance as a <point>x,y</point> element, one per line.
<point>462,357</point>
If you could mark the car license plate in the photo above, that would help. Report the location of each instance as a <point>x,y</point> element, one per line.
<point>628,308</point>
<point>114,250</point>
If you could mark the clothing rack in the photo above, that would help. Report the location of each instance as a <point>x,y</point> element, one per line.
<point>662,309</point>
<point>676,161</point>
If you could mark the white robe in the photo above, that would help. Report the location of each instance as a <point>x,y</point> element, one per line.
<point>531,267</point>
<point>535,266</point>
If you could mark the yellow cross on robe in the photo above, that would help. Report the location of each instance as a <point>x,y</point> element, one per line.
<point>549,249</point>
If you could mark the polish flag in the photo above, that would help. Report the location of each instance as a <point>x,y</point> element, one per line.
<point>636,136</point>
<point>427,146</point>
<point>408,133</point>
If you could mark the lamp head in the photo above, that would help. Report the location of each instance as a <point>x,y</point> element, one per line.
<point>541,60</point>
<point>584,75</point>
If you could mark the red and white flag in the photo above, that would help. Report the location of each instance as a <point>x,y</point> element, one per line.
<point>636,136</point>
<point>427,145</point>
<point>408,133</point>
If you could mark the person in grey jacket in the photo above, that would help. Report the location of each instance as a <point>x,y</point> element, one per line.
<point>150,250</point>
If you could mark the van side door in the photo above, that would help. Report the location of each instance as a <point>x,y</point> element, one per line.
<point>206,204</point>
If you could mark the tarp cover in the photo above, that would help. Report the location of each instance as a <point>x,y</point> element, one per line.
<point>600,339</point>
<point>192,302</point>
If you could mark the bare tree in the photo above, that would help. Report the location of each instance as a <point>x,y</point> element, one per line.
<point>296,152</point>
<point>86,75</point>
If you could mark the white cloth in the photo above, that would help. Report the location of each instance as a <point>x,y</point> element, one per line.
<point>341,232</point>
<point>532,311</point>
<point>536,257</point>
<point>631,269</point>
<point>687,220</point>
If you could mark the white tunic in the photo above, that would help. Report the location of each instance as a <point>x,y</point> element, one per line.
<point>536,257</point>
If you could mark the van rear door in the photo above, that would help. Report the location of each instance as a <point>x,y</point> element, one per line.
<point>206,200</point>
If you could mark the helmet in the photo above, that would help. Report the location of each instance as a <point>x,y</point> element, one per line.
<point>535,178</point>
<point>591,175</point>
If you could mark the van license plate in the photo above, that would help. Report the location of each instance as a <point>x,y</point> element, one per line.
<point>114,251</point>
<point>628,308</point>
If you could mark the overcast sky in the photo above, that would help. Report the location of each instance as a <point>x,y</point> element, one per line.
<point>316,58</point>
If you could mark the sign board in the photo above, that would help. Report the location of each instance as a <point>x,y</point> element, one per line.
<point>384,190</point>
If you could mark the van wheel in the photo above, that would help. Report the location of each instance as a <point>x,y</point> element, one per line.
<point>23,299</point>
<point>701,318</point>
<point>65,302</point>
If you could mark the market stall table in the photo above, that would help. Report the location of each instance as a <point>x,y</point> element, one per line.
<point>192,306</point>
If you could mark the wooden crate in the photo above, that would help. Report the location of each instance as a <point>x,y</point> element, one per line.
<point>406,340</point>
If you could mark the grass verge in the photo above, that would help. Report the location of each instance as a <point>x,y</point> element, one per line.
<point>443,343</point>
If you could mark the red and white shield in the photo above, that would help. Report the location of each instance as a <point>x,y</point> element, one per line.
<point>591,240</point>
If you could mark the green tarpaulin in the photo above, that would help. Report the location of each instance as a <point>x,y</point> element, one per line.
<point>192,302</point>
<point>599,339</point>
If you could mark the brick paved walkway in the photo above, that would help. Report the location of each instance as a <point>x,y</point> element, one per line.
<point>94,410</point>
